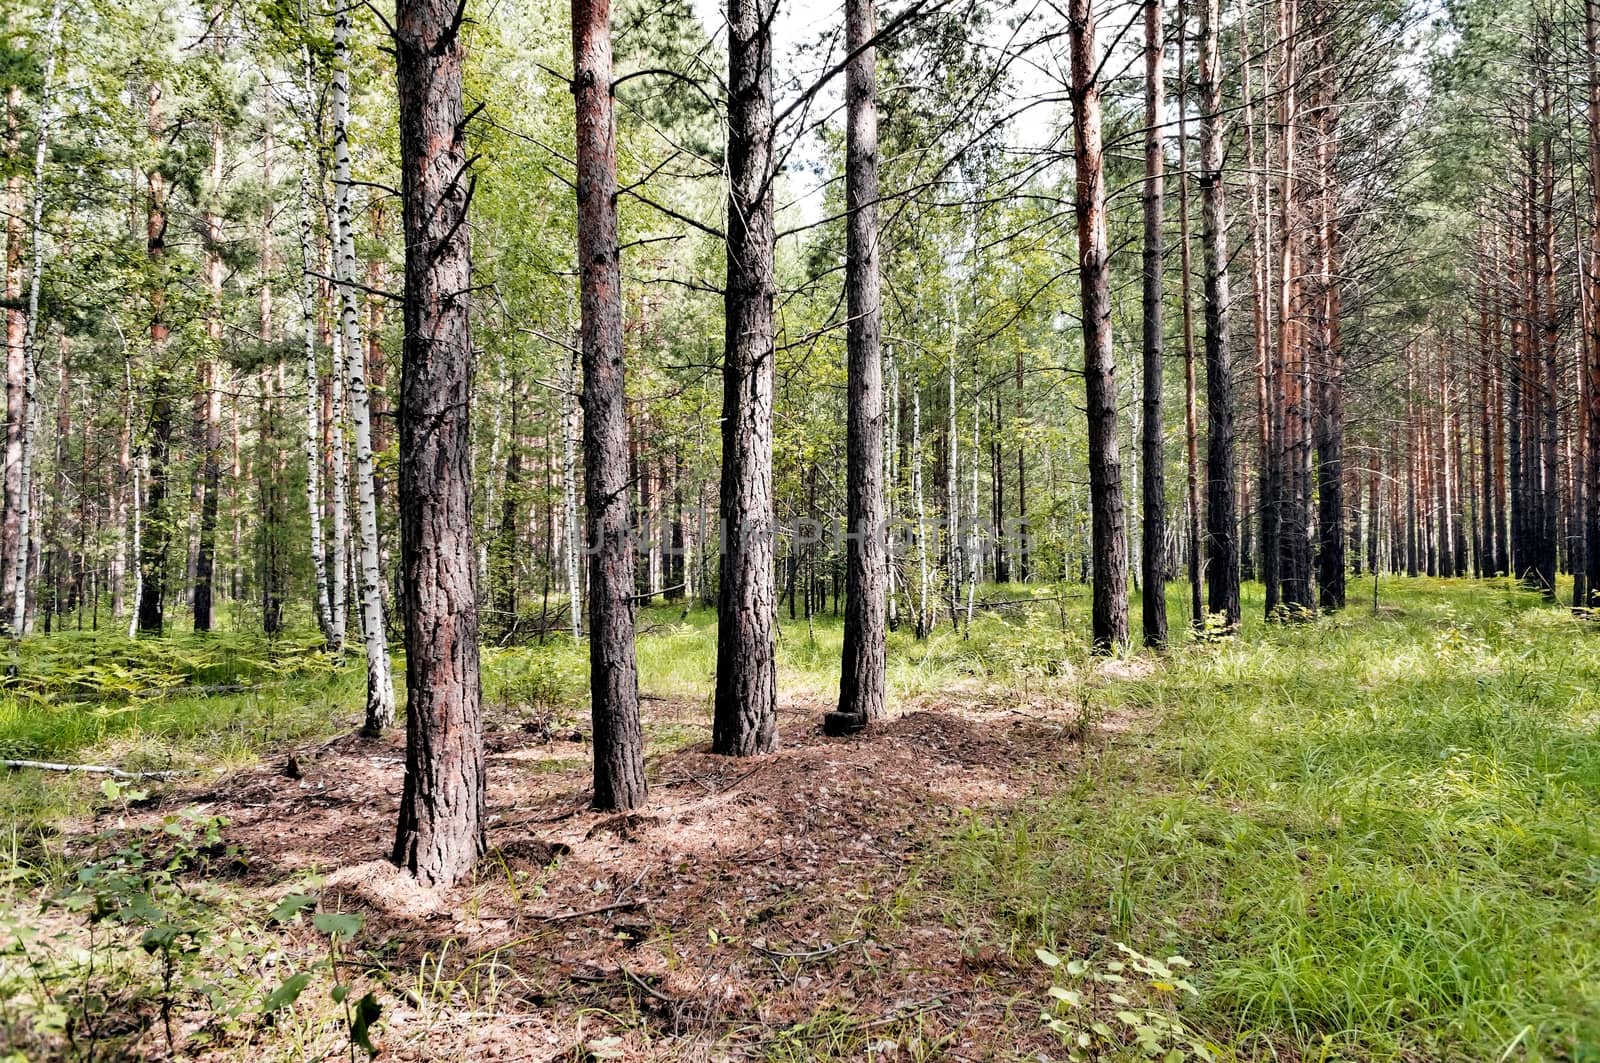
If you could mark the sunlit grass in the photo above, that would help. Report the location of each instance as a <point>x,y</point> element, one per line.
<point>1375,833</point>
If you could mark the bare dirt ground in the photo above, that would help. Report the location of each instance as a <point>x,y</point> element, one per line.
<point>763,908</point>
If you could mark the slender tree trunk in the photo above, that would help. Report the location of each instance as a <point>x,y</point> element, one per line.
<point>313,383</point>
<point>1222,543</point>
<point>922,625</point>
<point>1260,323</point>
<point>745,720</point>
<point>1330,375</point>
<point>952,482</point>
<point>1110,591</point>
<point>619,781</point>
<point>1154,485</point>
<point>440,834</point>
<point>1191,404</point>
<point>156,533</point>
<point>16,362</point>
<point>380,687</point>
<point>30,343</point>
<point>569,489</point>
<point>1591,283</point>
<point>862,678</point>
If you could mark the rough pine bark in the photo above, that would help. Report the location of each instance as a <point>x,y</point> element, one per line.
<point>1154,484</point>
<point>1591,36</point>
<point>862,677</point>
<point>1109,596</point>
<point>619,781</point>
<point>1191,427</point>
<point>440,834</point>
<point>745,715</point>
<point>1330,377</point>
<point>1222,542</point>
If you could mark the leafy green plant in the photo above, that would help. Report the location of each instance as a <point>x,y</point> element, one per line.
<point>1141,995</point>
<point>135,888</point>
<point>339,928</point>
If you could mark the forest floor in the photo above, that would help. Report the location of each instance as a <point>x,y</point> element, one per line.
<point>1367,837</point>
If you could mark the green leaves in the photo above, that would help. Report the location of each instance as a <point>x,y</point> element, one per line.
<point>291,906</point>
<point>287,993</point>
<point>366,1013</point>
<point>339,926</point>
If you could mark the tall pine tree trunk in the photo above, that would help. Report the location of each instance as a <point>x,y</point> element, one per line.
<point>1591,368</point>
<point>745,719</point>
<point>862,677</point>
<point>1153,537</point>
<point>1110,591</point>
<point>1222,543</point>
<point>440,834</point>
<point>1191,427</point>
<point>619,782</point>
<point>1330,375</point>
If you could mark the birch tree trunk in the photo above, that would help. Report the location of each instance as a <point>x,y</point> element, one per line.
<point>1110,590</point>
<point>496,440</point>
<point>380,687</point>
<point>138,546</point>
<point>440,834</point>
<point>569,489</point>
<point>891,465</point>
<point>619,782</point>
<point>745,719</point>
<point>338,515</point>
<point>922,512</point>
<point>30,343</point>
<point>313,383</point>
<point>16,326</point>
<point>862,678</point>
<point>952,480</point>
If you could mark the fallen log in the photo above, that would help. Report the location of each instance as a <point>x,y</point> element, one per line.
<point>93,769</point>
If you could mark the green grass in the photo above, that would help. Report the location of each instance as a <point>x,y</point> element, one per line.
<point>1376,835</point>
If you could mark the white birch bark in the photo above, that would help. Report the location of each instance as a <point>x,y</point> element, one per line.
<point>138,523</point>
<point>891,478</point>
<point>569,491</point>
<point>313,382</point>
<point>486,533</point>
<point>922,512</point>
<point>339,594</point>
<point>953,549</point>
<point>313,376</point>
<point>30,342</point>
<point>972,516</point>
<point>380,688</point>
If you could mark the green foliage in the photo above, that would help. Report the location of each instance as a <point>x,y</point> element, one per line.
<point>1140,993</point>
<point>1373,832</point>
